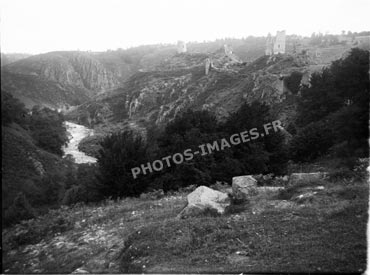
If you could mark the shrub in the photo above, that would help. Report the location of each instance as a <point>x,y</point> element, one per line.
<point>19,210</point>
<point>293,81</point>
<point>358,172</point>
<point>90,145</point>
<point>73,195</point>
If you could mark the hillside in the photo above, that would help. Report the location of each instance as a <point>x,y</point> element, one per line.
<point>275,232</point>
<point>158,96</point>
<point>57,79</point>
<point>35,177</point>
<point>34,90</point>
<point>26,168</point>
<point>64,79</point>
<point>12,57</point>
<point>293,199</point>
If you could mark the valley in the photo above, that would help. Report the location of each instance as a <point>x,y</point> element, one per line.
<point>76,123</point>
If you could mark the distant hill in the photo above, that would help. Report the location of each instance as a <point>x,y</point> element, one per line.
<point>60,79</point>
<point>57,79</point>
<point>64,79</point>
<point>7,58</point>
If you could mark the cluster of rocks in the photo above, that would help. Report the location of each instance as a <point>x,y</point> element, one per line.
<point>204,199</point>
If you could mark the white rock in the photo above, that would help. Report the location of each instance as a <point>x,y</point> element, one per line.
<point>204,198</point>
<point>80,271</point>
<point>306,197</point>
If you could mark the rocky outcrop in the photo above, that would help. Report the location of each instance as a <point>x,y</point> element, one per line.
<point>205,199</point>
<point>158,97</point>
<point>244,187</point>
<point>69,69</point>
<point>39,168</point>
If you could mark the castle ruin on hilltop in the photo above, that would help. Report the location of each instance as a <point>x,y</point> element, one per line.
<point>275,45</point>
<point>181,47</point>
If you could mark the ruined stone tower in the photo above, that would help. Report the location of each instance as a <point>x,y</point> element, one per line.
<point>228,50</point>
<point>279,44</point>
<point>269,45</point>
<point>275,45</point>
<point>181,47</point>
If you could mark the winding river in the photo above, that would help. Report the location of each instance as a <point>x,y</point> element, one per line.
<point>76,133</point>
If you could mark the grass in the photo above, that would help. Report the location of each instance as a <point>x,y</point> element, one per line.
<point>327,234</point>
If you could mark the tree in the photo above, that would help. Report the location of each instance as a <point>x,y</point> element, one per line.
<point>119,154</point>
<point>48,130</point>
<point>267,154</point>
<point>186,131</point>
<point>337,100</point>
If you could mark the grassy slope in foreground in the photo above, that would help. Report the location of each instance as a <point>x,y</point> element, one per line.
<point>136,235</point>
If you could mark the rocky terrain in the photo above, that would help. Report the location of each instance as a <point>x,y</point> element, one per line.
<point>309,226</point>
<point>219,82</point>
<point>306,223</point>
<point>57,79</point>
<point>64,79</point>
<point>158,96</point>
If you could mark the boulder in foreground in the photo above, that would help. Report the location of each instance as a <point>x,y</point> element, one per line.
<point>205,199</point>
<point>244,187</point>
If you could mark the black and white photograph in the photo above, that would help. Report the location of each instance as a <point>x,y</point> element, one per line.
<point>185,136</point>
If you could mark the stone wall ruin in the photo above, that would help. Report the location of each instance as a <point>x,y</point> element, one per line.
<point>275,45</point>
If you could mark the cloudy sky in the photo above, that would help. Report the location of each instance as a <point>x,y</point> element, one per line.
<point>36,26</point>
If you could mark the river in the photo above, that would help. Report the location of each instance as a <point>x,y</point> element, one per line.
<point>76,133</point>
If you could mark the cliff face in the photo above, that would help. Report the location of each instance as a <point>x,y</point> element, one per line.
<point>71,72</point>
<point>78,71</point>
<point>34,90</point>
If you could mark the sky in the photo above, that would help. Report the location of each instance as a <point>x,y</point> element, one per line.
<point>38,26</point>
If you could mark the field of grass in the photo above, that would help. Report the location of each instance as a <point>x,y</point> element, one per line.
<point>272,233</point>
